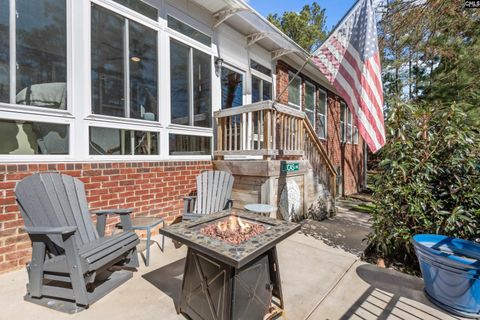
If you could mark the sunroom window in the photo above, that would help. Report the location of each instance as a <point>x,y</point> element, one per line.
<point>29,137</point>
<point>322,115</point>
<point>140,7</point>
<point>124,67</point>
<point>189,145</point>
<point>185,29</point>
<point>310,102</point>
<point>294,90</point>
<point>40,53</point>
<point>4,52</point>
<point>190,86</point>
<point>111,141</point>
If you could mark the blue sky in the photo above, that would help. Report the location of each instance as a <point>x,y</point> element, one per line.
<point>335,9</point>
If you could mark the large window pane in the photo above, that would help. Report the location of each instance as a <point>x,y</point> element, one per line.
<point>189,145</point>
<point>26,137</point>
<point>232,88</point>
<point>110,141</point>
<point>4,52</point>
<point>41,44</point>
<point>141,7</point>
<point>143,72</point>
<point>202,92</point>
<point>188,31</point>
<point>349,126</point>
<point>107,63</point>
<point>179,82</point>
<point>294,89</point>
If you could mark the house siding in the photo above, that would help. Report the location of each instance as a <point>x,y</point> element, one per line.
<point>151,189</point>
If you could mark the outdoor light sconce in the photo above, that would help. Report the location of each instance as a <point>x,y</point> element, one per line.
<point>218,66</point>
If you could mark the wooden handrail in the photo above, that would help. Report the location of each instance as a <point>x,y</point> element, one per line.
<point>272,130</point>
<point>311,136</point>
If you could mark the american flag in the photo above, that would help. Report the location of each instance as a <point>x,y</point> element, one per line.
<point>350,60</point>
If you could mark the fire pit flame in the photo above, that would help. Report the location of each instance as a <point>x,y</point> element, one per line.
<point>233,229</point>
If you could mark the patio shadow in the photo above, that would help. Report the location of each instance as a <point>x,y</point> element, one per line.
<point>168,279</point>
<point>392,295</point>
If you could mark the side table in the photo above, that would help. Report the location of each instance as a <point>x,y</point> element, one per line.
<point>260,208</point>
<point>147,223</point>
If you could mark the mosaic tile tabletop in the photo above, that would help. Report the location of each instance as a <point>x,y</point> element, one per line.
<point>188,233</point>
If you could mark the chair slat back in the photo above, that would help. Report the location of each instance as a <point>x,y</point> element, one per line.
<point>51,199</point>
<point>214,188</point>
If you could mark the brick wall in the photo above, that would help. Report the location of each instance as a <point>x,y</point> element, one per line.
<point>150,188</point>
<point>349,157</point>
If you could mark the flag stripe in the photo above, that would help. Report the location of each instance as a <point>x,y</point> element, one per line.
<point>350,61</point>
<point>364,86</point>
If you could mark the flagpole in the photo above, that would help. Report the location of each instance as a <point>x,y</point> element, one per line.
<point>310,55</point>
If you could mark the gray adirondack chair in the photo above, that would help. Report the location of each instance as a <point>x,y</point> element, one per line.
<point>214,190</point>
<point>73,263</point>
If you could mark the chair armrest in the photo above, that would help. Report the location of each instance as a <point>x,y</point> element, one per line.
<point>51,230</point>
<point>189,197</point>
<point>113,211</point>
<point>102,219</point>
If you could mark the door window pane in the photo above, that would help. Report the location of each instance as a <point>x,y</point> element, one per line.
<point>41,47</point>
<point>267,90</point>
<point>27,137</point>
<point>110,141</point>
<point>202,92</point>
<point>143,72</point>
<point>179,82</point>
<point>294,89</point>
<point>256,89</point>
<point>107,63</point>
<point>232,88</point>
<point>4,52</point>
<point>189,145</point>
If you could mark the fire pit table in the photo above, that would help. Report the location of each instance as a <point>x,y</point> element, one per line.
<point>231,268</point>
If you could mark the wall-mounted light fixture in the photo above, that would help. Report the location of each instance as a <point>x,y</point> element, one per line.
<point>218,66</point>
<point>135,59</point>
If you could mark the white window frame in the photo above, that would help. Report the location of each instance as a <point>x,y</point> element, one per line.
<point>128,14</point>
<point>325,116</point>
<point>292,74</point>
<point>20,112</point>
<point>124,123</point>
<point>172,128</point>
<point>355,135</point>
<point>263,79</point>
<point>313,111</point>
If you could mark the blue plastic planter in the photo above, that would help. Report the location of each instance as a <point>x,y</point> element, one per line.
<point>451,272</point>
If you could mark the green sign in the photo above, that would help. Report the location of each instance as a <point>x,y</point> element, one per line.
<point>289,167</point>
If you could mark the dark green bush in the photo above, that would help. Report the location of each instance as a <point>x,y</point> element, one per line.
<point>428,179</point>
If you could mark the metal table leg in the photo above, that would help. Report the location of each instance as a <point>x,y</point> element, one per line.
<point>147,259</point>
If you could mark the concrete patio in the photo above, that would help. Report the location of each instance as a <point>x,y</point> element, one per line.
<point>319,282</point>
